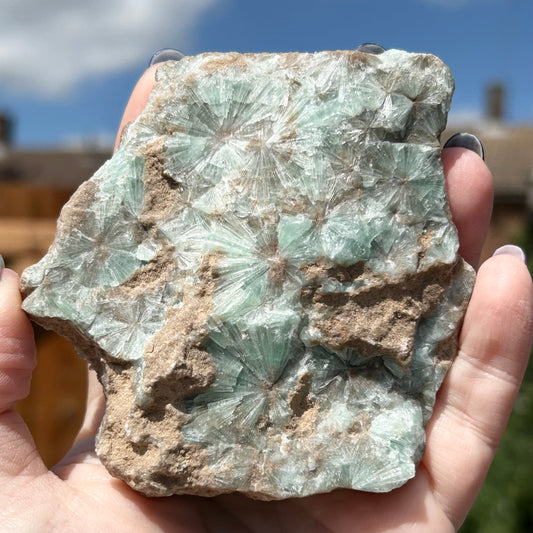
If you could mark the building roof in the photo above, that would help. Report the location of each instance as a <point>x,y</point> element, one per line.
<point>58,169</point>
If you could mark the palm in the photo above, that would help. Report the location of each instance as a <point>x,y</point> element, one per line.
<point>469,417</point>
<point>91,499</point>
<point>341,510</point>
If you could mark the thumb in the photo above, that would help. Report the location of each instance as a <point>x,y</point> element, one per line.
<point>18,453</point>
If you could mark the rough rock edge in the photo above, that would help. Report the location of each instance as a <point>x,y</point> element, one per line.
<point>190,470</point>
<point>141,461</point>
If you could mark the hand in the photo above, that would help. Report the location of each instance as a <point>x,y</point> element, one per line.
<point>470,415</point>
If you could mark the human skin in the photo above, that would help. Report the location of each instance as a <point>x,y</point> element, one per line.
<point>470,415</point>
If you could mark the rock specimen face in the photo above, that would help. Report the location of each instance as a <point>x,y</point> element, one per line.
<point>265,275</point>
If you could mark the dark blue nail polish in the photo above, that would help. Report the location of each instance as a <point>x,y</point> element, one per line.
<point>468,141</point>
<point>166,54</point>
<point>371,48</point>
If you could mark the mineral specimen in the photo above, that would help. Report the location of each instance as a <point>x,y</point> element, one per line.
<point>265,275</point>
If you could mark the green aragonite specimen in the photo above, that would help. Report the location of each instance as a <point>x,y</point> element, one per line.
<point>265,275</point>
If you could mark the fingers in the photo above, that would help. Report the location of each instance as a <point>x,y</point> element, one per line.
<point>138,100</point>
<point>477,395</point>
<point>470,192</point>
<point>17,348</point>
<point>17,361</point>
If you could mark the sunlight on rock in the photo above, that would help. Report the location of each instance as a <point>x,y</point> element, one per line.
<point>265,275</point>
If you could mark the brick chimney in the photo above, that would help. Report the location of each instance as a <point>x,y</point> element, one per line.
<point>495,96</point>
<point>6,129</point>
<point>6,132</point>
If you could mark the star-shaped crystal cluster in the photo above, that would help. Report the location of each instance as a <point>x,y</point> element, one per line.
<point>265,275</point>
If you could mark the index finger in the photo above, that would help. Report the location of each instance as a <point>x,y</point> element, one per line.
<point>470,193</point>
<point>138,100</point>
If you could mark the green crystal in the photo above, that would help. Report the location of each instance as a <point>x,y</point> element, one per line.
<point>265,275</point>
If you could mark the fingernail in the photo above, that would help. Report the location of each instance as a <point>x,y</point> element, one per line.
<point>468,141</point>
<point>165,54</point>
<point>511,249</point>
<point>2,265</point>
<point>371,48</point>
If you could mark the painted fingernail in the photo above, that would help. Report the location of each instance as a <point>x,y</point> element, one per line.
<point>371,48</point>
<point>2,265</point>
<point>511,249</point>
<point>468,141</point>
<point>166,54</point>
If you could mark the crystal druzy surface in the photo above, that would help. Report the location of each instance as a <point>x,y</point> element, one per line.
<point>265,275</point>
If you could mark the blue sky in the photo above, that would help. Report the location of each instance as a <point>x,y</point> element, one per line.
<point>67,67</point>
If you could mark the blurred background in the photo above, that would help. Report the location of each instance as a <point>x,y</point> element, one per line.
<point>67,68</point>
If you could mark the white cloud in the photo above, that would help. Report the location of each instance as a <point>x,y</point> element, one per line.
<point>47,47</point>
